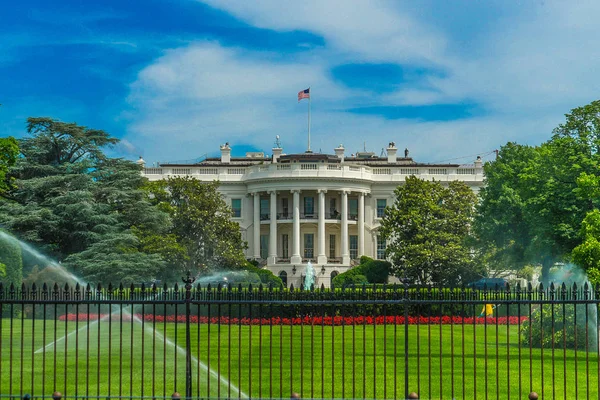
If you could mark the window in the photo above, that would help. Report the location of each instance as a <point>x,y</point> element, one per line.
<point>285,207</point>
<point>381,203</point>
<point>309,245</point>
<point>353,247</point>
<point>332,208</point>
<point>236,207</point>
<point>309,207</point>
<point>264,209</point>
<point>334,274</point>
<point>285,246</point>
<point>264,246</point>
<point>353,209</point>
<point>331,246</point>
<point>380,248</point>
<point>283,277</point>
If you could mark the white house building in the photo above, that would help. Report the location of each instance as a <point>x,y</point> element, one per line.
<point>312,207</point>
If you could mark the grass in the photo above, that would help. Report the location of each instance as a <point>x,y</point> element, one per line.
<point>125,359</point>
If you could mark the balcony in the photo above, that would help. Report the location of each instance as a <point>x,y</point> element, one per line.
<point>398,173</point>
<point>265,217</point>
<point>310,215</point>
<point>334,260</point>
<point>282,260</point>
<point>285,215</point>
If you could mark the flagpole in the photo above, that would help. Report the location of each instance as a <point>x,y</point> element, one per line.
<point>309,97</point>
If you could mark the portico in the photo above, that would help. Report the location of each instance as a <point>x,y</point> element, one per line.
<point>330,223</point>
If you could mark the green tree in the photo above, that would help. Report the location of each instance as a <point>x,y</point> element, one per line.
<point>535,199</point>
<point>9,151</point>
<point>502,233</point>
<point>73,201</point>
<point>587,254</point>
<point>201,223</point>
<point>427,230</point>
<point>11,260</point>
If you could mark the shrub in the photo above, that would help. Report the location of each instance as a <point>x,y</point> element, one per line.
<point>569,332</point>
<point>266,276</point>
<point>350,277</point>
<point>376,271</point>
<point>368,271</point>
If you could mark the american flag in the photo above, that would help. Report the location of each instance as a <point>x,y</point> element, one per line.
<point>304,94</point>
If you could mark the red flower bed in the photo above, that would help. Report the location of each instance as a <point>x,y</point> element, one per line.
<point>308,320</point>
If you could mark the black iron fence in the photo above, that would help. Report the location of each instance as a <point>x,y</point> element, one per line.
<point>238,342</point>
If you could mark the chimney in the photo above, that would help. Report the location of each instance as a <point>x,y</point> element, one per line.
<point>225,153</point>
<point>478,162</point>
<point>339,152</point>
<point>391,152</point>
<point>141,162</point>
<point>276,153</point>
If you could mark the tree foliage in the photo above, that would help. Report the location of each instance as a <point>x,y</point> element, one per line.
<point>535,198</point>
<point>201,223</point>
<point>427,230</point>
<point>9,151</point>
<point>81,206</point>
<point>12,262</point>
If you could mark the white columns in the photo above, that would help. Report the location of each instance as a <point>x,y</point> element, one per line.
<point>256,225</point>
<point>345,249</point>
<point>273,229</point>
<point>361,224</point>
<point>321,257</point>
<point>296,258</point>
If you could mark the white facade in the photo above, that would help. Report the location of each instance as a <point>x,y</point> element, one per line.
<point>321,208</point>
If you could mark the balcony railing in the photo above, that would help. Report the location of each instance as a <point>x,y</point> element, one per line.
<point>282,260</point>
<point>265,217</point>
<point>285,215</point>
<point>230,173</point>
<point>312,215</point>
<point>334,260</point>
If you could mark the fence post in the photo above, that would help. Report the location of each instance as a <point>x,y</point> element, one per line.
<point>188,280</point>
<point>405,302</point>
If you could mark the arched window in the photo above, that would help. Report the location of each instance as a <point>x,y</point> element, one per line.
<point>283,276</point>
<point>334,274</point>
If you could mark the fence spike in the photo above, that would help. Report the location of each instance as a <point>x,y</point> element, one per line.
<point>322,287</point>
<point>291,287</point>
<point>66,288</point>
<point>110,287</point>
<point>176,287</point>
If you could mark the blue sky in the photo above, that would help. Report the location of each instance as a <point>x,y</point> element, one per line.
<point>174,79</point>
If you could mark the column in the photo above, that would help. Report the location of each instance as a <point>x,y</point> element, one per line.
<point>256,224</point>
<point>321,257</point>
<point>345,249</point>
<point>361,224</point>
<point>296,258</point>
<point>273,229</point>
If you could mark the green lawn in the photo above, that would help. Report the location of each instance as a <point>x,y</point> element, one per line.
<point>122,359</point>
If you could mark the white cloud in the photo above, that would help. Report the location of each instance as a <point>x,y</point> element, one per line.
<point>528,69</point>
